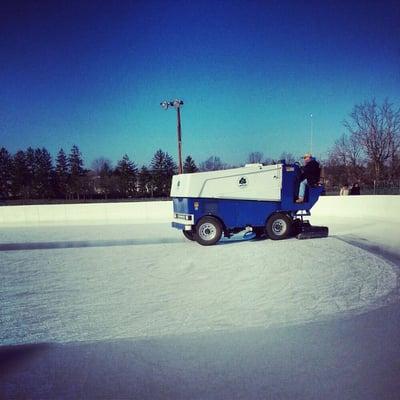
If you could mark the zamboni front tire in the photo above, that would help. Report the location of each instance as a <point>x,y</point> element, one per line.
<point>279,226</point>
<point>189,234</point>
<point>208,231</point>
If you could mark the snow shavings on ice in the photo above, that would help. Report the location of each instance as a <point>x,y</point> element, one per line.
<point>179,287</point>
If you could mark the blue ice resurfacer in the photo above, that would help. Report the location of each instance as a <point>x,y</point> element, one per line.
<point>258,198</point>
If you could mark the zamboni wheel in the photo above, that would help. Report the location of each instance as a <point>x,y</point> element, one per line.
<point>208,231</point>
<point>279,226</point>
<point>188,234</point>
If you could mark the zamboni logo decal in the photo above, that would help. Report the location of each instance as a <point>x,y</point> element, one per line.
<point>242,182</point>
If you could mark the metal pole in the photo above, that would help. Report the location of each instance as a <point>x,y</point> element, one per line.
<point>311,135</point>
<point>177,104</point>
<point>178,111</point>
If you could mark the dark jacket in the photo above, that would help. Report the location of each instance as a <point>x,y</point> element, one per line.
<point>311,171</point>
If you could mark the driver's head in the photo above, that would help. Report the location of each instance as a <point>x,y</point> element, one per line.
<point>307,157</point>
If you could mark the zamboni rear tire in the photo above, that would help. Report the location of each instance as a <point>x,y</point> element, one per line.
<point>279,226</point>
<point>208,231</point>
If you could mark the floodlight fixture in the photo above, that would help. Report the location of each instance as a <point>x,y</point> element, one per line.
<point>164,104</point>
<point>177,103</point>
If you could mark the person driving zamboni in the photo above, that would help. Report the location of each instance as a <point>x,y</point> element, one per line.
<point>310,175</point>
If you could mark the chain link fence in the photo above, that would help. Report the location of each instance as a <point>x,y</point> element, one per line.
<point>377,189</point>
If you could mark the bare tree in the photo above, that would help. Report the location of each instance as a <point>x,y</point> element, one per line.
<point>255,157</point>
<point>268,161</point>
<point>394,168</point>
<point>100,164</point>
<point>104,182</point>
<point>146,183</point>
<point>377,130</point>
<point>288,157</point>
<point>347,150</point>
<point>346,157</point>
<point>212,163</point>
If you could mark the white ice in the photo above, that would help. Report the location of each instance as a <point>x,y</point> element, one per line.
<point>150,281</point>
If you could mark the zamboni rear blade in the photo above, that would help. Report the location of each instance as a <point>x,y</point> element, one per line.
<point>308,231</point>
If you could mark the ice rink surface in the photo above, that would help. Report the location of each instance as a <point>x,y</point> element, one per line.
<point>83,286</point>
<point>132,281</point>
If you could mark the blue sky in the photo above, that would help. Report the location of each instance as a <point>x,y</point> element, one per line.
<point>250,74</point>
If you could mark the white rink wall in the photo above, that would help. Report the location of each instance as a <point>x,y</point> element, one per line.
<point>83,214</point>
<point>360,207</point>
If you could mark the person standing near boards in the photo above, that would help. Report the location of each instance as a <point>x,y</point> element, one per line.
<point>355,189</point>
<point>344,191</point>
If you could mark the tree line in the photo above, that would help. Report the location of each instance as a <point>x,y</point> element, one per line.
<point>31,174</point>
<point>368,153</point>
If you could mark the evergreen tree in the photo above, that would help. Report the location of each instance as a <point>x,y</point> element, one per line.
<point>162,168</point>
<point>157,170</point>
<point>19,175</point>
<point>189,165</point>
<point>5,173</point>
<point>106,179</point>
<point>76,171</point>
<point>126,174</point>
<point>75,161</point>
<point>30,161</point>
<point>62,174</point>
<point>43,174</point>
<point>170,165</point>
<point>170,169</point>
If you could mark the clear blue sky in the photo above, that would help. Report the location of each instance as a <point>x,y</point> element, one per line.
<point>250,73</point>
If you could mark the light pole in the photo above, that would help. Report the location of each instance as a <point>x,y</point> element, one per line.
<point>177,104</point>
<point>311,134</point>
